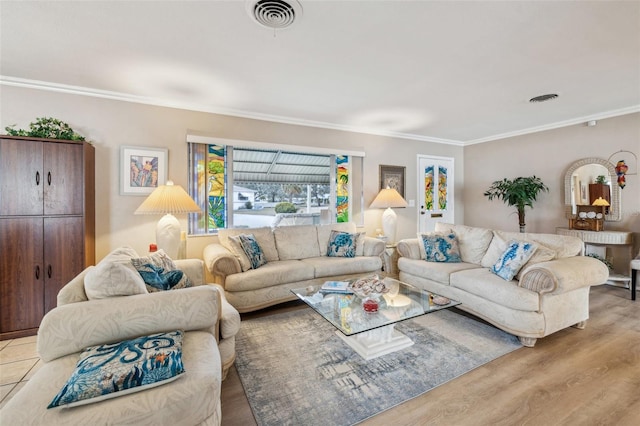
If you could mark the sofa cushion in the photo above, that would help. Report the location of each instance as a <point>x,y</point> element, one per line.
<point>499,245</point>
<point>160,273</point>
<point>439,272</point>
<point>561,245</point>
<point>324,266</point>
<point>117,369</point>
<point>236,248</point>
<point>253,250</point>
<point>113,276</point>
<point>264,237</point>
<point>482,283</point>
<point>473,242</point>
<point>324,232</point>
<point>297,242</point>
<point>513,258</point>
<point>269,275</point>
<point>440,247</point>
<point>342,244</point>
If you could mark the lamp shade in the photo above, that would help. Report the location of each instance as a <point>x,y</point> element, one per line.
<point>388,197</point>
<point>600,202</point>
<point>168,198</point>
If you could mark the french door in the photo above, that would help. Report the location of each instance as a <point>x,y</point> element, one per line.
<point>435,191</point>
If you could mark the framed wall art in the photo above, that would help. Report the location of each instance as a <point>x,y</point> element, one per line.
<point>392,177</point>
<point>142,169</point>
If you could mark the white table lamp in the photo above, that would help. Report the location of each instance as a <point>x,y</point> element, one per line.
<point>168,199</point>
<point>388,198</point>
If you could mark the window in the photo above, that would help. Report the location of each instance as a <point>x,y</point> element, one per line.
<point>248,186</point>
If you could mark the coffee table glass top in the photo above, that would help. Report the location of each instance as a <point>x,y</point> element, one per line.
<point>346,312</point>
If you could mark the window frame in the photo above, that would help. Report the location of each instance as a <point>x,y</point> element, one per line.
<point>357,191</point>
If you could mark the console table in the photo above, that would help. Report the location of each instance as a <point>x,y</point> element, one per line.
<point>604,238</point>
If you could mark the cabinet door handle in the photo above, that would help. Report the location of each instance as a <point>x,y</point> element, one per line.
<point>37,272</point>
<point>49,271</point>
<point>37,178</point>
<point>49,178</point>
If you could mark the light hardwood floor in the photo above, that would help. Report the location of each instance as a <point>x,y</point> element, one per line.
<point>573,377</point>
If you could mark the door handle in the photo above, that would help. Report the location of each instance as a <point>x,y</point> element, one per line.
<point>37,272</point>
<point>49,271</point>
<point>37,178</point>
<point>49,178</point>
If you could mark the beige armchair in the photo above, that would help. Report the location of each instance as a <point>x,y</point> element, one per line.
<point>208,350</point>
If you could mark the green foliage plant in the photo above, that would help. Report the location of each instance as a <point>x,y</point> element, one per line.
<point>601,259</point>
<point>519,193</point>
<point>46,127</point>
<point>601,179</point>
<point>286,208</point>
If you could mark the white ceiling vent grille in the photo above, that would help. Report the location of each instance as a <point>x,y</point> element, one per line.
<point>274,14</point>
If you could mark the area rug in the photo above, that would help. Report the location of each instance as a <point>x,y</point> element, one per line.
<point>296,371</point>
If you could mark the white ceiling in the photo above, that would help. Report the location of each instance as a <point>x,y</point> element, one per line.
<point>444,71</point>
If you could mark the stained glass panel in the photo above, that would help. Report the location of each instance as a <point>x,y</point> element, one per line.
<point>428,188</point>
<point>442,188</point>
<point>342,188</point>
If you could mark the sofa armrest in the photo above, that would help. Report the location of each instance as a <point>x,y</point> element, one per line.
<point>230,318</point>
<point>220,261</point>
<point>564,275</point>
<point>373,246</point>
<point>194,268</point>
<point>73,291</point>
<point>70,328</point>
<point>409,248</point>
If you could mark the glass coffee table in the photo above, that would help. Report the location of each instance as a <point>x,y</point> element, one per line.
<point>373,334</point>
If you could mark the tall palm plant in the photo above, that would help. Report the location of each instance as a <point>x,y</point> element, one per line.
<point>520,192</point>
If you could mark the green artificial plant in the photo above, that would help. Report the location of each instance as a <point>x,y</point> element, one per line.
<point>46,127</point>
<point>520,192</point>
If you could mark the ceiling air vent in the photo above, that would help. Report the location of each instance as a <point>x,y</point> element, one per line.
<point>544,98</point>
<point>274,14</point>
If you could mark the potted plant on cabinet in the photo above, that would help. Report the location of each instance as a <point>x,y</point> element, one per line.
<point>519,192</point>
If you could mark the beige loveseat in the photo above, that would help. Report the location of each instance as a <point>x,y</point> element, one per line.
<point>551,291</point>
<point>296,257</point>
<point>209,325</point>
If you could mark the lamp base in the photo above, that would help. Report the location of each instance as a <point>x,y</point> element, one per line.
<point>168,235</point>
<point>389,220</point>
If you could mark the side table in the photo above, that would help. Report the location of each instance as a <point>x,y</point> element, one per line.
<point>390,260</point>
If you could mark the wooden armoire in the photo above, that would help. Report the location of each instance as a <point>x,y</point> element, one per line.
<point>47,225</point>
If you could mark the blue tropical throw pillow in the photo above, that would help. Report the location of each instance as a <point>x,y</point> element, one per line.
<point>117,369</point>
<point>160,273</point>
<point>342,244</point>
<point>252,249</point>
<point>513,258</point>
<point>441,248</point>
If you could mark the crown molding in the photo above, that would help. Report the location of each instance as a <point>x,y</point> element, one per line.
<point>125,97</point>
<point>572,122</point>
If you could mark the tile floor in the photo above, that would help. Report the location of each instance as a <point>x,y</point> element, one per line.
<point>18,362</point>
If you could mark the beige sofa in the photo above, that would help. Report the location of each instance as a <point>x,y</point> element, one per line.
<point>296,257</point>
<point>551,291</point>
<point>209,323</point>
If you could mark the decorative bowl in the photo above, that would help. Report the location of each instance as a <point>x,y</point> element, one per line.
<point>369,287</point>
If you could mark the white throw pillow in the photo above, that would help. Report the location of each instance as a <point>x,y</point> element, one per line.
<point>108,279</point>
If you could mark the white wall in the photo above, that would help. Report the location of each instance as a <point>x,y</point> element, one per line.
<point>108,124</point>
<point>549,155</point>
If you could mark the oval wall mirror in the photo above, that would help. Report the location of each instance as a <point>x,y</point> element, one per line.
<point>577,181</point>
